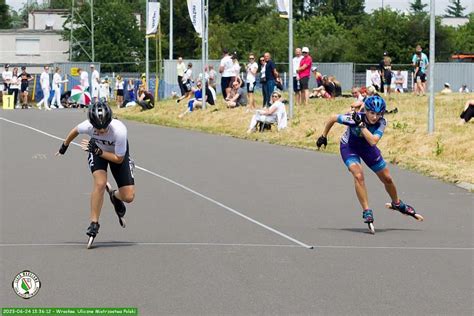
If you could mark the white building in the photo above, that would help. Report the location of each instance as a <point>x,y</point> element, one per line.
<point>41,43</point>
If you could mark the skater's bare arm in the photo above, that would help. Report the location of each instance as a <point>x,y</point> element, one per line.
<point>329,125</point>
<point>112,157</point>
<point>92,147</point>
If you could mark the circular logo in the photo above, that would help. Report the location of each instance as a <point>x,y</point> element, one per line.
<point>26,284</point>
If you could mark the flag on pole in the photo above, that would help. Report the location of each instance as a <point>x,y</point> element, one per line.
<point>195,13</point>
<point>153,17</point>
<point>283,8</point>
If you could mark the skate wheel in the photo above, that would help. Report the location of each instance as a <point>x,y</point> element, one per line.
<point>371,228</point>
<point>418,217</point>
<point>89,243</point>
<point>122,222</point>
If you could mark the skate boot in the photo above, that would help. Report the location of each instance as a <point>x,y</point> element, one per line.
<point>92,231</point>
<point>119,206</point>
<point>405,209</point>
<point>368,217</point>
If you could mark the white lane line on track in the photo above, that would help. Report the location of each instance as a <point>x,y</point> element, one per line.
<point>191,244</point>
<point>184,188</point>
<point>131,243</point>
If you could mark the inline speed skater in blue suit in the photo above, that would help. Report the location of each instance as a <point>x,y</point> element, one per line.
<point>364,131</point>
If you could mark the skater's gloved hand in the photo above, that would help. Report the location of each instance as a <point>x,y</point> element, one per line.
<point>358,120</point>
<point>321,141</point>
<point>62,150</point>
<point>91,146</point>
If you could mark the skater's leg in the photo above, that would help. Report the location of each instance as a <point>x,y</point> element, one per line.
<point>97,196</point>
<point>387,180</point>
<point>126,193</point>
<point>359,182</point>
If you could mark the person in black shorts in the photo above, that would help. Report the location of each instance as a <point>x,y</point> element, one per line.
<point>468,112</point>
<point>25,80</point>
<point>108,146</point>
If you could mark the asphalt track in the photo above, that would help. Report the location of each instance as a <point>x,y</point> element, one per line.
<point>220,226</point>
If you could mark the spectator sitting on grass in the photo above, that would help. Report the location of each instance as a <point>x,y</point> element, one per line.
<point>236,97</point>
<point>276,113</point>
<point>145,98</point>
<point>196,102</point>
<point>467,113</point>
<point>464,89</point>
<point>446,89</point>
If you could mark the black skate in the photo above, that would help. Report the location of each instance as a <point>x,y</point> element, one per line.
<point>92,231</point>
<point>368,217</point>
<point>405,209</point>
<point>119,206</point>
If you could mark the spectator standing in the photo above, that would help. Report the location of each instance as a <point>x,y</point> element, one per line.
<point>304,73</point>
<point>385,68</point>
<point>187,83</point>
<point>212,77</point>
<point>252,69</point>
<point>375,79</point>
<point>180,69</point>
<point>6,77</point>
<point>236,70</point>
<point>84,77</point>
<point>95,83</point>
<point>296,81</point>
<point>270,75</point>
<point>226,71</point>
<point>104,89</point>
<point>25,79</point>
<point>119,88</point>
<point>14,87</point>
<point>45,86</point>
<point>420,63</point>
<point>57,81</point>
<point>263,80</point>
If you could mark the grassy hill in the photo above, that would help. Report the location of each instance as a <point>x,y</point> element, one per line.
<point>447,154</point>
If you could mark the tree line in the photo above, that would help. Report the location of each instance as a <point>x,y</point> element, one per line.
<point>334,30</point>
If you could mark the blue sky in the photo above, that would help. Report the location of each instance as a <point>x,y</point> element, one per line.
<point>369,4</point>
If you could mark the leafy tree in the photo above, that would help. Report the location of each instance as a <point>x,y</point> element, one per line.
<point>347,12</point>
<point>5,18</point>
<point>463,37</point>
<point>417,6</point>
<point>117,37</point>
<point>455,9</point>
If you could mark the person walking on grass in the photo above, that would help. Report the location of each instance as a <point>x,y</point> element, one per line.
<point>364,131</point>
<point>107,146</point>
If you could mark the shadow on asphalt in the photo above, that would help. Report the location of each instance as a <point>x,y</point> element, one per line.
<point>366,231</point>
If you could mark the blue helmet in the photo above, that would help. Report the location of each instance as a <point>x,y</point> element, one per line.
<point>375,104</point>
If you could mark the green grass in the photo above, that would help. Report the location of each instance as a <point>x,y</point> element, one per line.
<point>447,154</point>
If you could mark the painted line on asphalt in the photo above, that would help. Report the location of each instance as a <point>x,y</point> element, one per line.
<point>192,244</point>
<point>186,189</point>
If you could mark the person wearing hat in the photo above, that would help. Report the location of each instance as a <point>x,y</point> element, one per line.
<point>303,73</point>
<point>95,83</point>
<point>275,114</point>
<point>446,89</point>
<point>25,79</point>
<point>6,77</point>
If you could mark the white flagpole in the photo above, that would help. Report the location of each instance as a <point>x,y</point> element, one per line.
<point>432,66</point>
<point>171,29</point>
<point>290,53</point>
<point>147,55</point>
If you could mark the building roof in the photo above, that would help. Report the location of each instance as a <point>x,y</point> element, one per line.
<point>29,31</point>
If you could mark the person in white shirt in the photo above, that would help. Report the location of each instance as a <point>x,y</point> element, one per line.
<point>15,87</point>
<point>187,83</point>
<point>45,86</point>
<point>6,77</point>
<point>375,79</point>
<point>57,81</point>
<point>226,70</point>
<point>252,68</point>
<point>119,85</point>
<point>296,81</point>
<point>276,113</point>
<point>84,79</point>
<point>95,83</point>
<point>212,77</point>
<point>464,89</point>
<point>104,92</point>
<point>180,69</point>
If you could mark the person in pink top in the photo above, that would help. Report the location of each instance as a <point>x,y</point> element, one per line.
<point>303,73</point>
